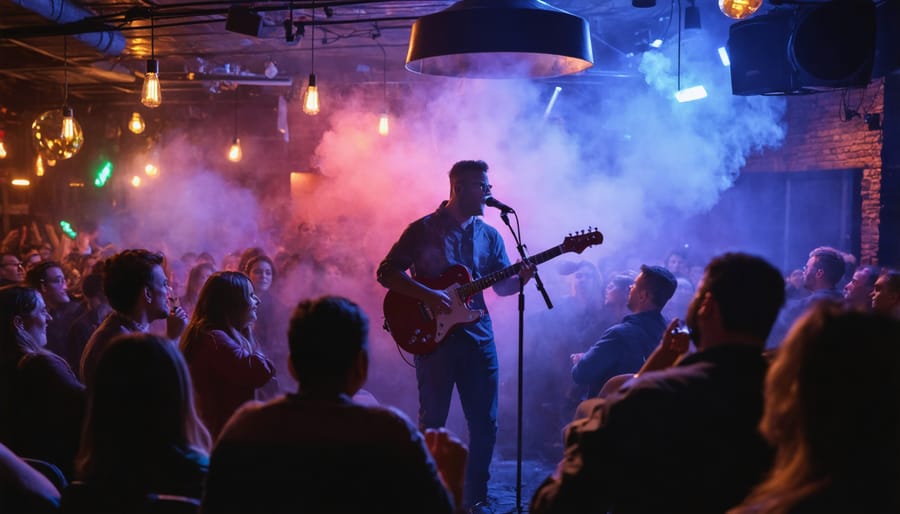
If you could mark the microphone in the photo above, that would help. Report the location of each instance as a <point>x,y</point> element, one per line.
<point>490,201</point>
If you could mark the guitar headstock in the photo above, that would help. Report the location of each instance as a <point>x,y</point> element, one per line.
<point>578,241</point>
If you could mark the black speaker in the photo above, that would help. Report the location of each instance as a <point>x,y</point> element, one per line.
<point>243,21</point>
<point>758,51</point>
<point>833,44</point>
<point>803,49</point>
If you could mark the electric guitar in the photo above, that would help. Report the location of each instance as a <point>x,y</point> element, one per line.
<point>418,330</point>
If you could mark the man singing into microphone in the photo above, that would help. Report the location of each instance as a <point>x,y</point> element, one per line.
<point>455,234</point>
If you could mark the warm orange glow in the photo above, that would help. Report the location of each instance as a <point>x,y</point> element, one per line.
<point>151,170</point>
<point>136,181</point>
<point>136,123</point>
<point>151,95</point>
<point>311,97</point>
<point>21,182</point>
<point>234,153</point>
<point>39,166</point>
<point>739,9</point>
<point>2,150</point>
<point>384,124</point>
<point>67,134</point>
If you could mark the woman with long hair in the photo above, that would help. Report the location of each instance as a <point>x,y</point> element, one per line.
<point>141,433</point>
<point>271,317</point>
<point>41,401</point>
<point>832,412</point>
<point>226,365</point>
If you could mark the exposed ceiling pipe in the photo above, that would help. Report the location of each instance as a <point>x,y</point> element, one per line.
<point>108,41</point>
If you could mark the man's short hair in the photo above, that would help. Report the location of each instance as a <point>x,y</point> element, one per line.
<point>92,285</point>
<point>748,290</point>
<point>125,275</point>
<point>465,167</point>
<point>38,273</point>
<point>831,262</point>
<point>325,336</point>
<point>662,284</point>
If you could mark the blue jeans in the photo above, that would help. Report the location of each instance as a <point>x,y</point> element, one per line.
<point>474,370</point>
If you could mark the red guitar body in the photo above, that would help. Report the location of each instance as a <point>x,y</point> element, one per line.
<point>415,327</point>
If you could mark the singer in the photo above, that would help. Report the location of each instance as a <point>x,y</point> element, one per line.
<point>455,234</point>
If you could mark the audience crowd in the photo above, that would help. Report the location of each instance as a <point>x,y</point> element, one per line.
<point>132,382</point>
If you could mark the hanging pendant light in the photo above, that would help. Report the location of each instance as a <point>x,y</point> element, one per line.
<point>384,120</point>
<point>500,39</point>
<point>234,152</point>
<point>56,133</point>
<point>136,123</point>
<point>311,96</point>
<point>151,95</point>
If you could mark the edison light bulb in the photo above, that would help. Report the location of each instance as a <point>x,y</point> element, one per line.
<point>136,123</point>
<point>151,170</point>
<point>311,97</point>
<point>67,134</point>
<point>739,9</point>
<point>39,166</point>
<point>151,96</point>
<point>234,153</point>
<point>136,181</point>
<point>384,124</point>
<point>2,150</point>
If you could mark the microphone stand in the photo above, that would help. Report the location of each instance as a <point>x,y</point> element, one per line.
<point>523,253</point>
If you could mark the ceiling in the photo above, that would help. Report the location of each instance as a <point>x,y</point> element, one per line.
<point>104,58</point>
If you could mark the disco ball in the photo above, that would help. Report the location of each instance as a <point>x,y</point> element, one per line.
<point>47,133</point>
<point>739,9</point>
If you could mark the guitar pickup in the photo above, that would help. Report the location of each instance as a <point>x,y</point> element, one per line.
<point>425,312</point>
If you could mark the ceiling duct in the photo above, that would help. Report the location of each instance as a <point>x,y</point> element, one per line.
<point>500,39</point>
<point>107,40</point>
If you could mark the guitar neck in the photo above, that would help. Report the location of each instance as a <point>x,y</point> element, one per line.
<point>487,281</point>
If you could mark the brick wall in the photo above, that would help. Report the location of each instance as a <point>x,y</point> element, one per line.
<point>818,138</point>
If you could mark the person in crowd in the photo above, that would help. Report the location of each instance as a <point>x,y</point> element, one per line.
<point>793,288</point>
<point>270,326</point>
<point>231,261</point>
<point>615,299</point>
<point>11,270</point>
<point>248,254</point>
<point>24,490</point>
<point>48,278</point>
<point>467,358</point>
<point>31,258</point>
<point>41,401</point>
<point>858,292</point>
<point>886,293</point>
<point>189,259</point>
<point>624,347</point>
<point>677,263</point>
<point>206,258</point>
<point>681,439</point>
<point>821,275</point>
<point>834,452</point>
<point>226,364</point>
<point>196,278</point>
<point>298,453</point>
<point>677,306</point>
<point>141,432</point>
<point>137,288</point>
<point>84,326</point>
